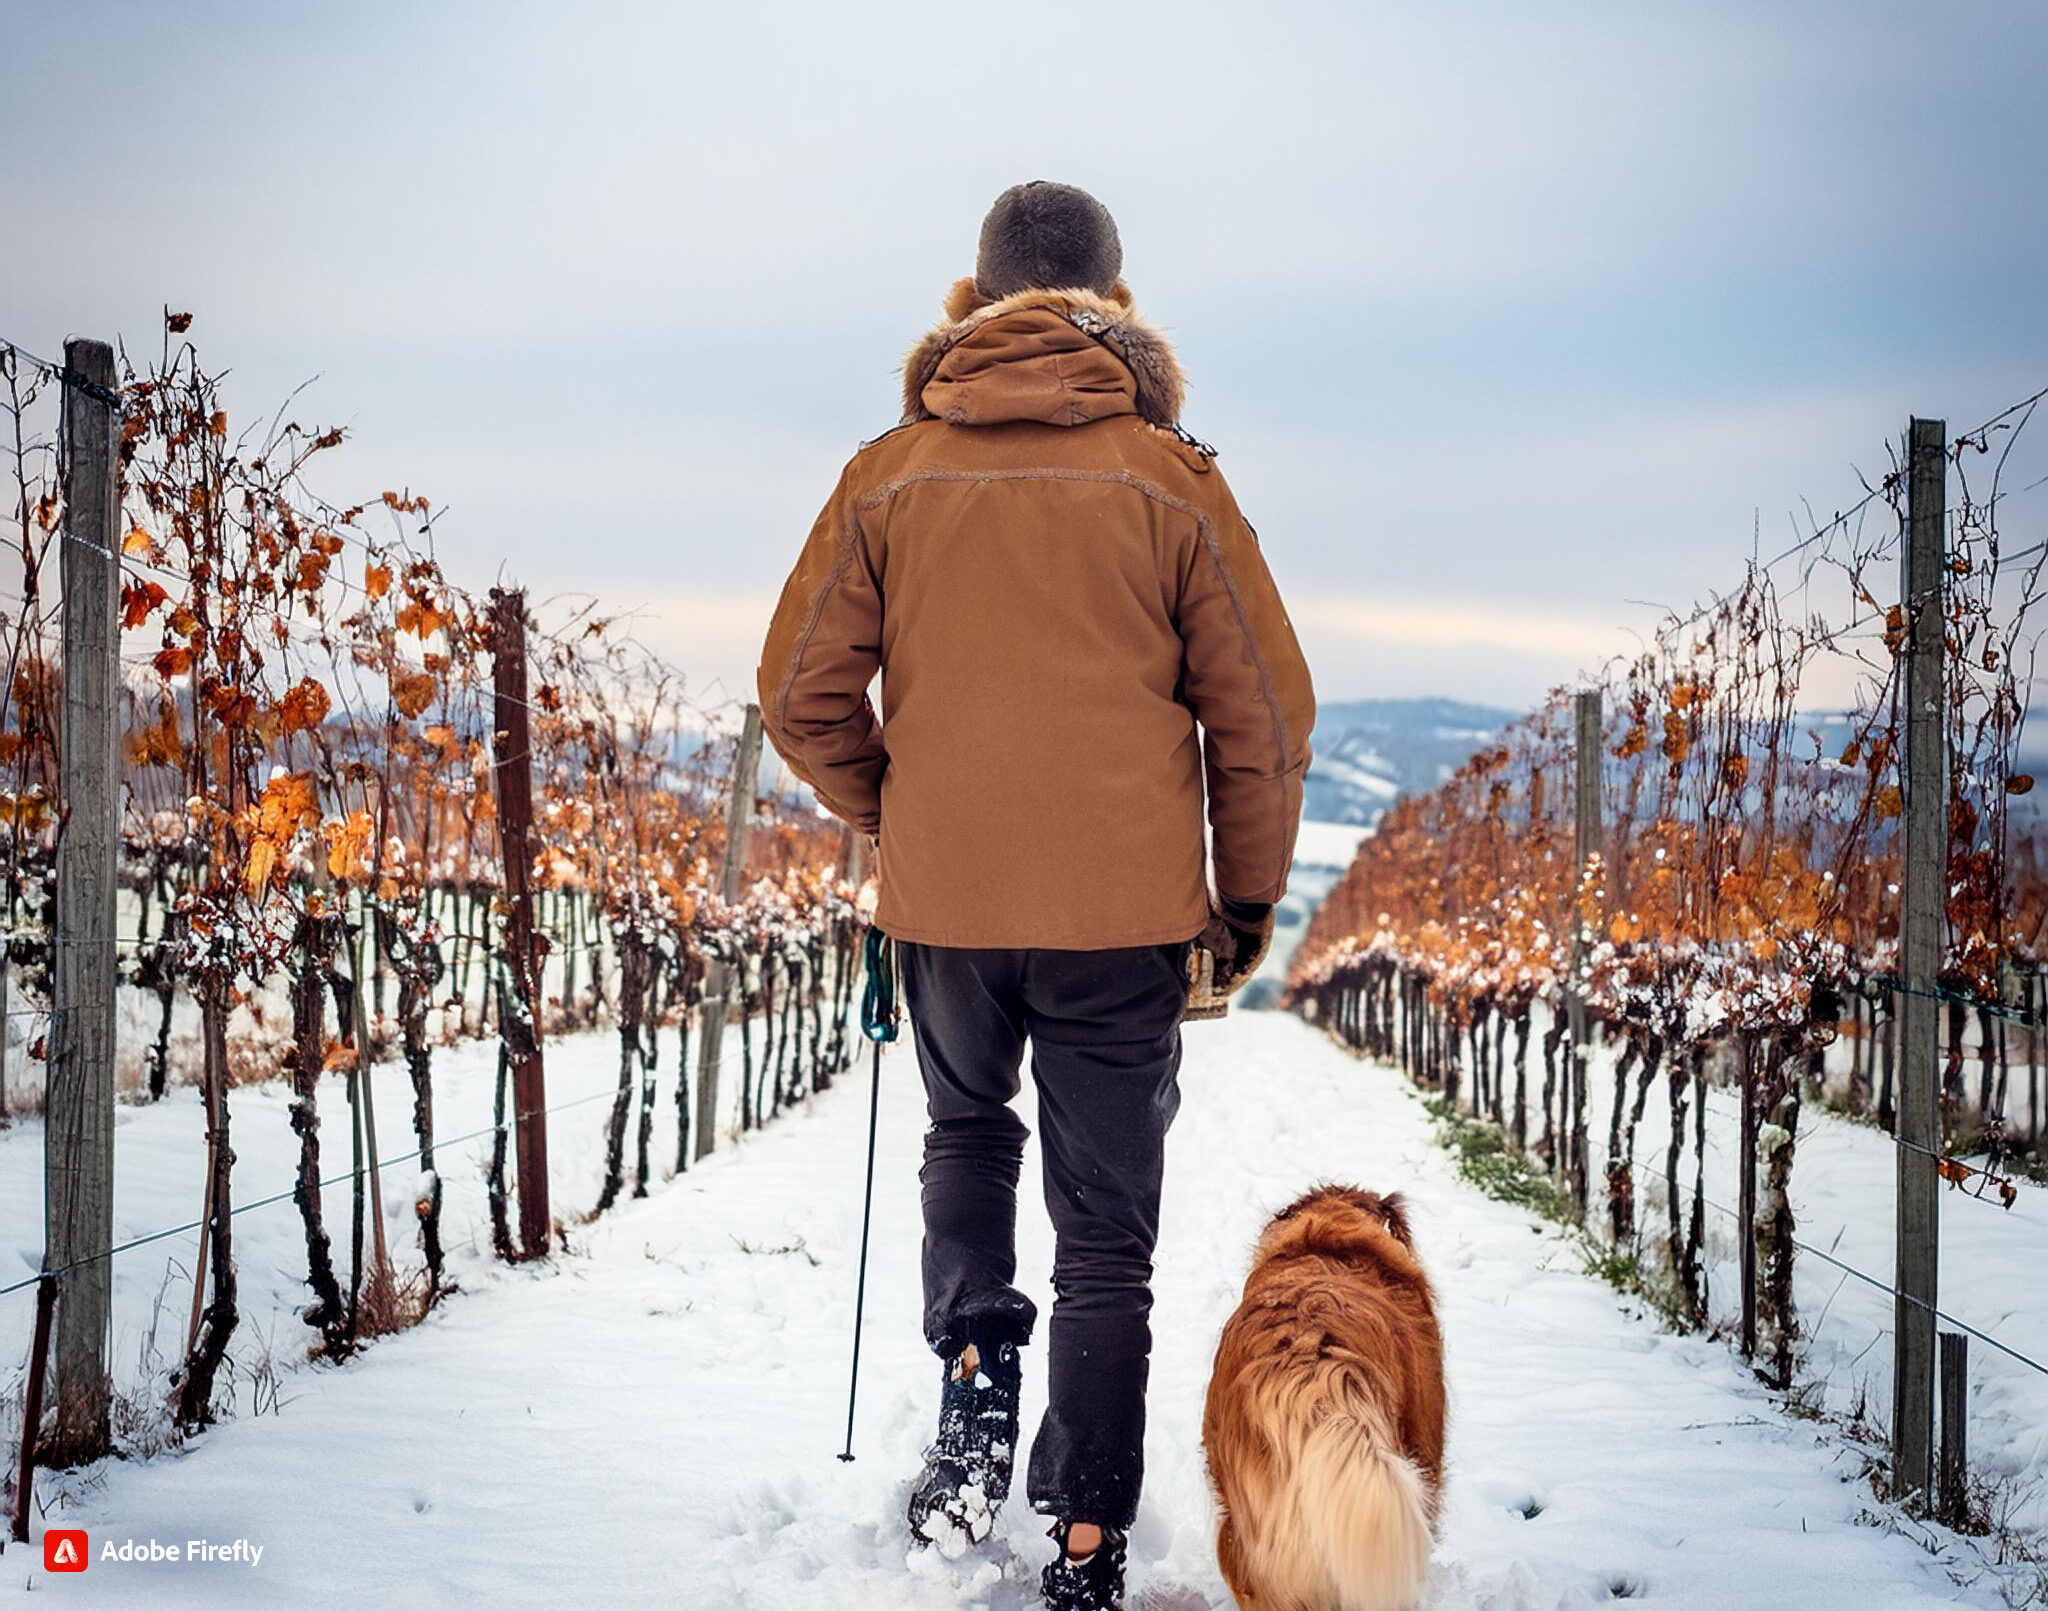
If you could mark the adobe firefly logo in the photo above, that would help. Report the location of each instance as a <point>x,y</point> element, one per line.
<point>65,1550</point>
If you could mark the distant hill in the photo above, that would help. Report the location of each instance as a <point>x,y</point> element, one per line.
<point>1834,729</point>
<point>1369,751</point>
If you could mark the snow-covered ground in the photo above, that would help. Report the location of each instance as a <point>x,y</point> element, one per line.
<point>159,1168</point>
<point>1329,845</point>
<point>1843,1195</point>
<point>1322,850</point>
<point>656,1418</point>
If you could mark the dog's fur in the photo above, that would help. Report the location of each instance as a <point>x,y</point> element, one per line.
<point>1324,1427</point>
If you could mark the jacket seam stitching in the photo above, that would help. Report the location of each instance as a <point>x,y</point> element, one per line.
<point>1280,771</point>
<point>843,559</point>
<point>940,472</point>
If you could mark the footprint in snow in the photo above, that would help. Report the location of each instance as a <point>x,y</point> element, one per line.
<point>1174,1598</point>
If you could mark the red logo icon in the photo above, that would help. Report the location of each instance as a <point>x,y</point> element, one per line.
<point>65,1550</point>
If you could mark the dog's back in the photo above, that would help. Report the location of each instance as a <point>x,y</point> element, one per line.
<point>1324,1422</point>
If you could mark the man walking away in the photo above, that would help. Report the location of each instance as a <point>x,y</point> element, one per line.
<point>1058,590</point>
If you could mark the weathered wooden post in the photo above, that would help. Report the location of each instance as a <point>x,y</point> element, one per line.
<point>32,1408</point>
<point>1952,1500</point>
<point>78,1146</point>
<point>2033,1011</point>
<point>1745,1199</point>
<point>1586,745</point>
<point>1920,950</point>
<point>739,816</point>
<point>522,1030</point>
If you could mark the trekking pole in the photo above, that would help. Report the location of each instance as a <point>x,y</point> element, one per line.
<point>879,1012</point>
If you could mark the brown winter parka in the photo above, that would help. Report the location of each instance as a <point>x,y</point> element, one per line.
<point>1057,589</point>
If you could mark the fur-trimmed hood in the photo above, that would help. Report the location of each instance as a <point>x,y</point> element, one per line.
<point>1089,356</point>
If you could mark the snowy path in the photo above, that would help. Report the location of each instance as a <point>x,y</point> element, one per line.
<point>655,1420</point>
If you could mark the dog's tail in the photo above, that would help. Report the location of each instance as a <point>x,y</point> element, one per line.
<point>1360,1502</point>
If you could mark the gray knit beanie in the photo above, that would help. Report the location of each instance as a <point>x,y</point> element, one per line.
<point>1046,236</point>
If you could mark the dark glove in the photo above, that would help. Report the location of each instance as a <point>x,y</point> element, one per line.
<point>1226,953</point>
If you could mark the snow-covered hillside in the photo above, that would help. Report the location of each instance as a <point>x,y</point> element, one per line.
<point>1370,751</point>
<point>656,1418</point>
<point>1322,850</point>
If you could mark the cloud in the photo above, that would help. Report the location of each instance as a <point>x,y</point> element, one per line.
<point>715,638</point>
<point>1511,315</point>
<point>1499,626</point>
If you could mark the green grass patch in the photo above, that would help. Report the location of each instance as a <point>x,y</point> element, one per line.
<point>1484,1158</point>
<point>1624,1270</point>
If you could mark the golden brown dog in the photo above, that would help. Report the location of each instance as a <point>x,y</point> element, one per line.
<point>1324,1428</point>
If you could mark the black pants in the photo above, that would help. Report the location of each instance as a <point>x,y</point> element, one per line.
<point>1104,1030</point>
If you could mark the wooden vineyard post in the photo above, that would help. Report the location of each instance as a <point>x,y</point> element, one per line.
<point>739,815</point>
<point>1586,747</point>
<point>32,1408</point>
<point>1920,950</point>
<point>1745,1199</point>
<point>79,1140</point>
<point>1951,1495</point>
<point>522,1032</point>
<point>2033,986</point>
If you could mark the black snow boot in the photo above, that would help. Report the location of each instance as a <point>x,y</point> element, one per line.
<point>966,1475</point>
<point>1093,1583</point>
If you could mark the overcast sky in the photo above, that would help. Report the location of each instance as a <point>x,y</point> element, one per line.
<point>1510,321</point>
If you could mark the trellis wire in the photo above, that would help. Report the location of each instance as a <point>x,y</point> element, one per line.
<point>292,1193</point>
